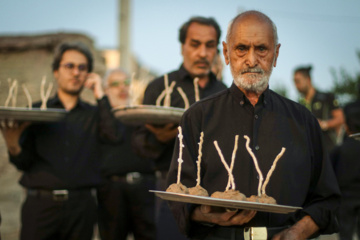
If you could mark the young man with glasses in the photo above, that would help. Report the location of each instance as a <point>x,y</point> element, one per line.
<point>60,161</point>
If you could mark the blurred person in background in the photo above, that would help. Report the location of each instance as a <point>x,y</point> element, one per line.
<point>60,161</point>
<point>324,106</point>
<point>199,38</point>
<point>124,202</point>
<point>346,161</point>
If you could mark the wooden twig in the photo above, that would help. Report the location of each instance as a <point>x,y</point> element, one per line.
<point>261,178</point>
<point>184,97</point>
<point>28,96</point>
<point>44,96</point>
<point>198,162</point>
<point>196,89</point>
<point>272,169</point>
<point>180,160</point>
<point>231,177</point>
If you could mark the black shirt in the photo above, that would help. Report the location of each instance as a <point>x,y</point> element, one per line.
<point>346,161</point>
<point>66,154</point>
<point>119,158</point>
<point>303,176</point>
<point>144,141</point>
<point>321,106</point>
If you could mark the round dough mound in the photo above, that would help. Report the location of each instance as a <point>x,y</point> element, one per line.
<point>177,188</point>
<point>262,199</point>
<point>198,191</point>
<point>229,194</point>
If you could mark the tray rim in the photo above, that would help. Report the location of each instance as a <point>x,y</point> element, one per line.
<point>284,209</point>
<point>32,115</point>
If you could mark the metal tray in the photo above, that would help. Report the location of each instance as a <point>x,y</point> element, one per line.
<point>33,115</point>
<point>142,114</point>
<point>217,202</point>
<point>356,136</point>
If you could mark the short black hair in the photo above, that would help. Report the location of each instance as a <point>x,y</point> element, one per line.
<point>201,20</point>
<point>78,46</point>
<point>304,70</point>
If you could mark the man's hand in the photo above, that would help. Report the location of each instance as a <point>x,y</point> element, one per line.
<point>209,214</point>
<point>163,134</point>
<point>11,132</point>
<point>303,229</point>
<point>93,82</point>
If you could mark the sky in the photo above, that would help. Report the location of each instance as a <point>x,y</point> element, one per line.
<point>323,33</point>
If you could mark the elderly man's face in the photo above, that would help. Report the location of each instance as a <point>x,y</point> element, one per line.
<point>199,49</point>
<point>251,53</point>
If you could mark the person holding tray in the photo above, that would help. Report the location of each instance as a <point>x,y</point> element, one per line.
<point>125,204</point>
<point>303,176</point>
<point>61,160</point>
<point>199,38</point>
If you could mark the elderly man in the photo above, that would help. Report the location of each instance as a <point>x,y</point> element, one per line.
<point>303,176</point>
<point>61,160</point>
<point>125,204</point>
<point>199,39</point>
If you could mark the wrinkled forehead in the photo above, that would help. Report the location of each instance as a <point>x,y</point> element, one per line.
<point>252,26</point>
<point>117,76</point>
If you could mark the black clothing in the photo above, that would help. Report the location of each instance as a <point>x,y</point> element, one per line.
<point>145,142</point>
<point>321,106</point>
<point>346,161</point>
<point>125,208</point>
<point>66,154</point>
<point>148,146</point>
<point>44,218</point>
<point>125,203</point>
<point>119,158</point>
<point>303,176</point>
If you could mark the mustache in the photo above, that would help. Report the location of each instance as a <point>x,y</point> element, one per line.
<point>202,62</point>
<point>252,70</point>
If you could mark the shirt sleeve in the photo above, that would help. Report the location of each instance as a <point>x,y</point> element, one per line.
<point>110,130</point>
<point>323,197</point>
<point>27,156</point>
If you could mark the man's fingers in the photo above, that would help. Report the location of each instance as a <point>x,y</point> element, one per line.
<point>205,208</point>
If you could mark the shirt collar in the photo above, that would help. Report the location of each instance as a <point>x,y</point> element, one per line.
<point>55,102</point>
<point>184,75</point>
<point>241,98</point>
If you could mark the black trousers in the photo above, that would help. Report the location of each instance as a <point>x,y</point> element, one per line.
<point>44,218</point>
<point>166,226</point>
<point>125,208</point>
<point>349,218</point>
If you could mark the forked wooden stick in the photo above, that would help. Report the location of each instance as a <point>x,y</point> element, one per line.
<point>261,178</point>
<point>44,96</point>
<point>184,97</point>
<point>231,180</point>
<point>272,169</point>
<point>28,96</point>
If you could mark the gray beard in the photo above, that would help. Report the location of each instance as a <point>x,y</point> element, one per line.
<point>252,83</point>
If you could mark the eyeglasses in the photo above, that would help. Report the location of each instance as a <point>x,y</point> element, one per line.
<point>72,66</point>
<point>118,83</point>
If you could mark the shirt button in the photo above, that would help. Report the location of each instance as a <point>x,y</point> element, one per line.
<point>256,116</point>
<point>241,102</point>
<point>257,148</point>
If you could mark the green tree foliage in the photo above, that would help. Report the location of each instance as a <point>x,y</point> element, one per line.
<point>346,86</point>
